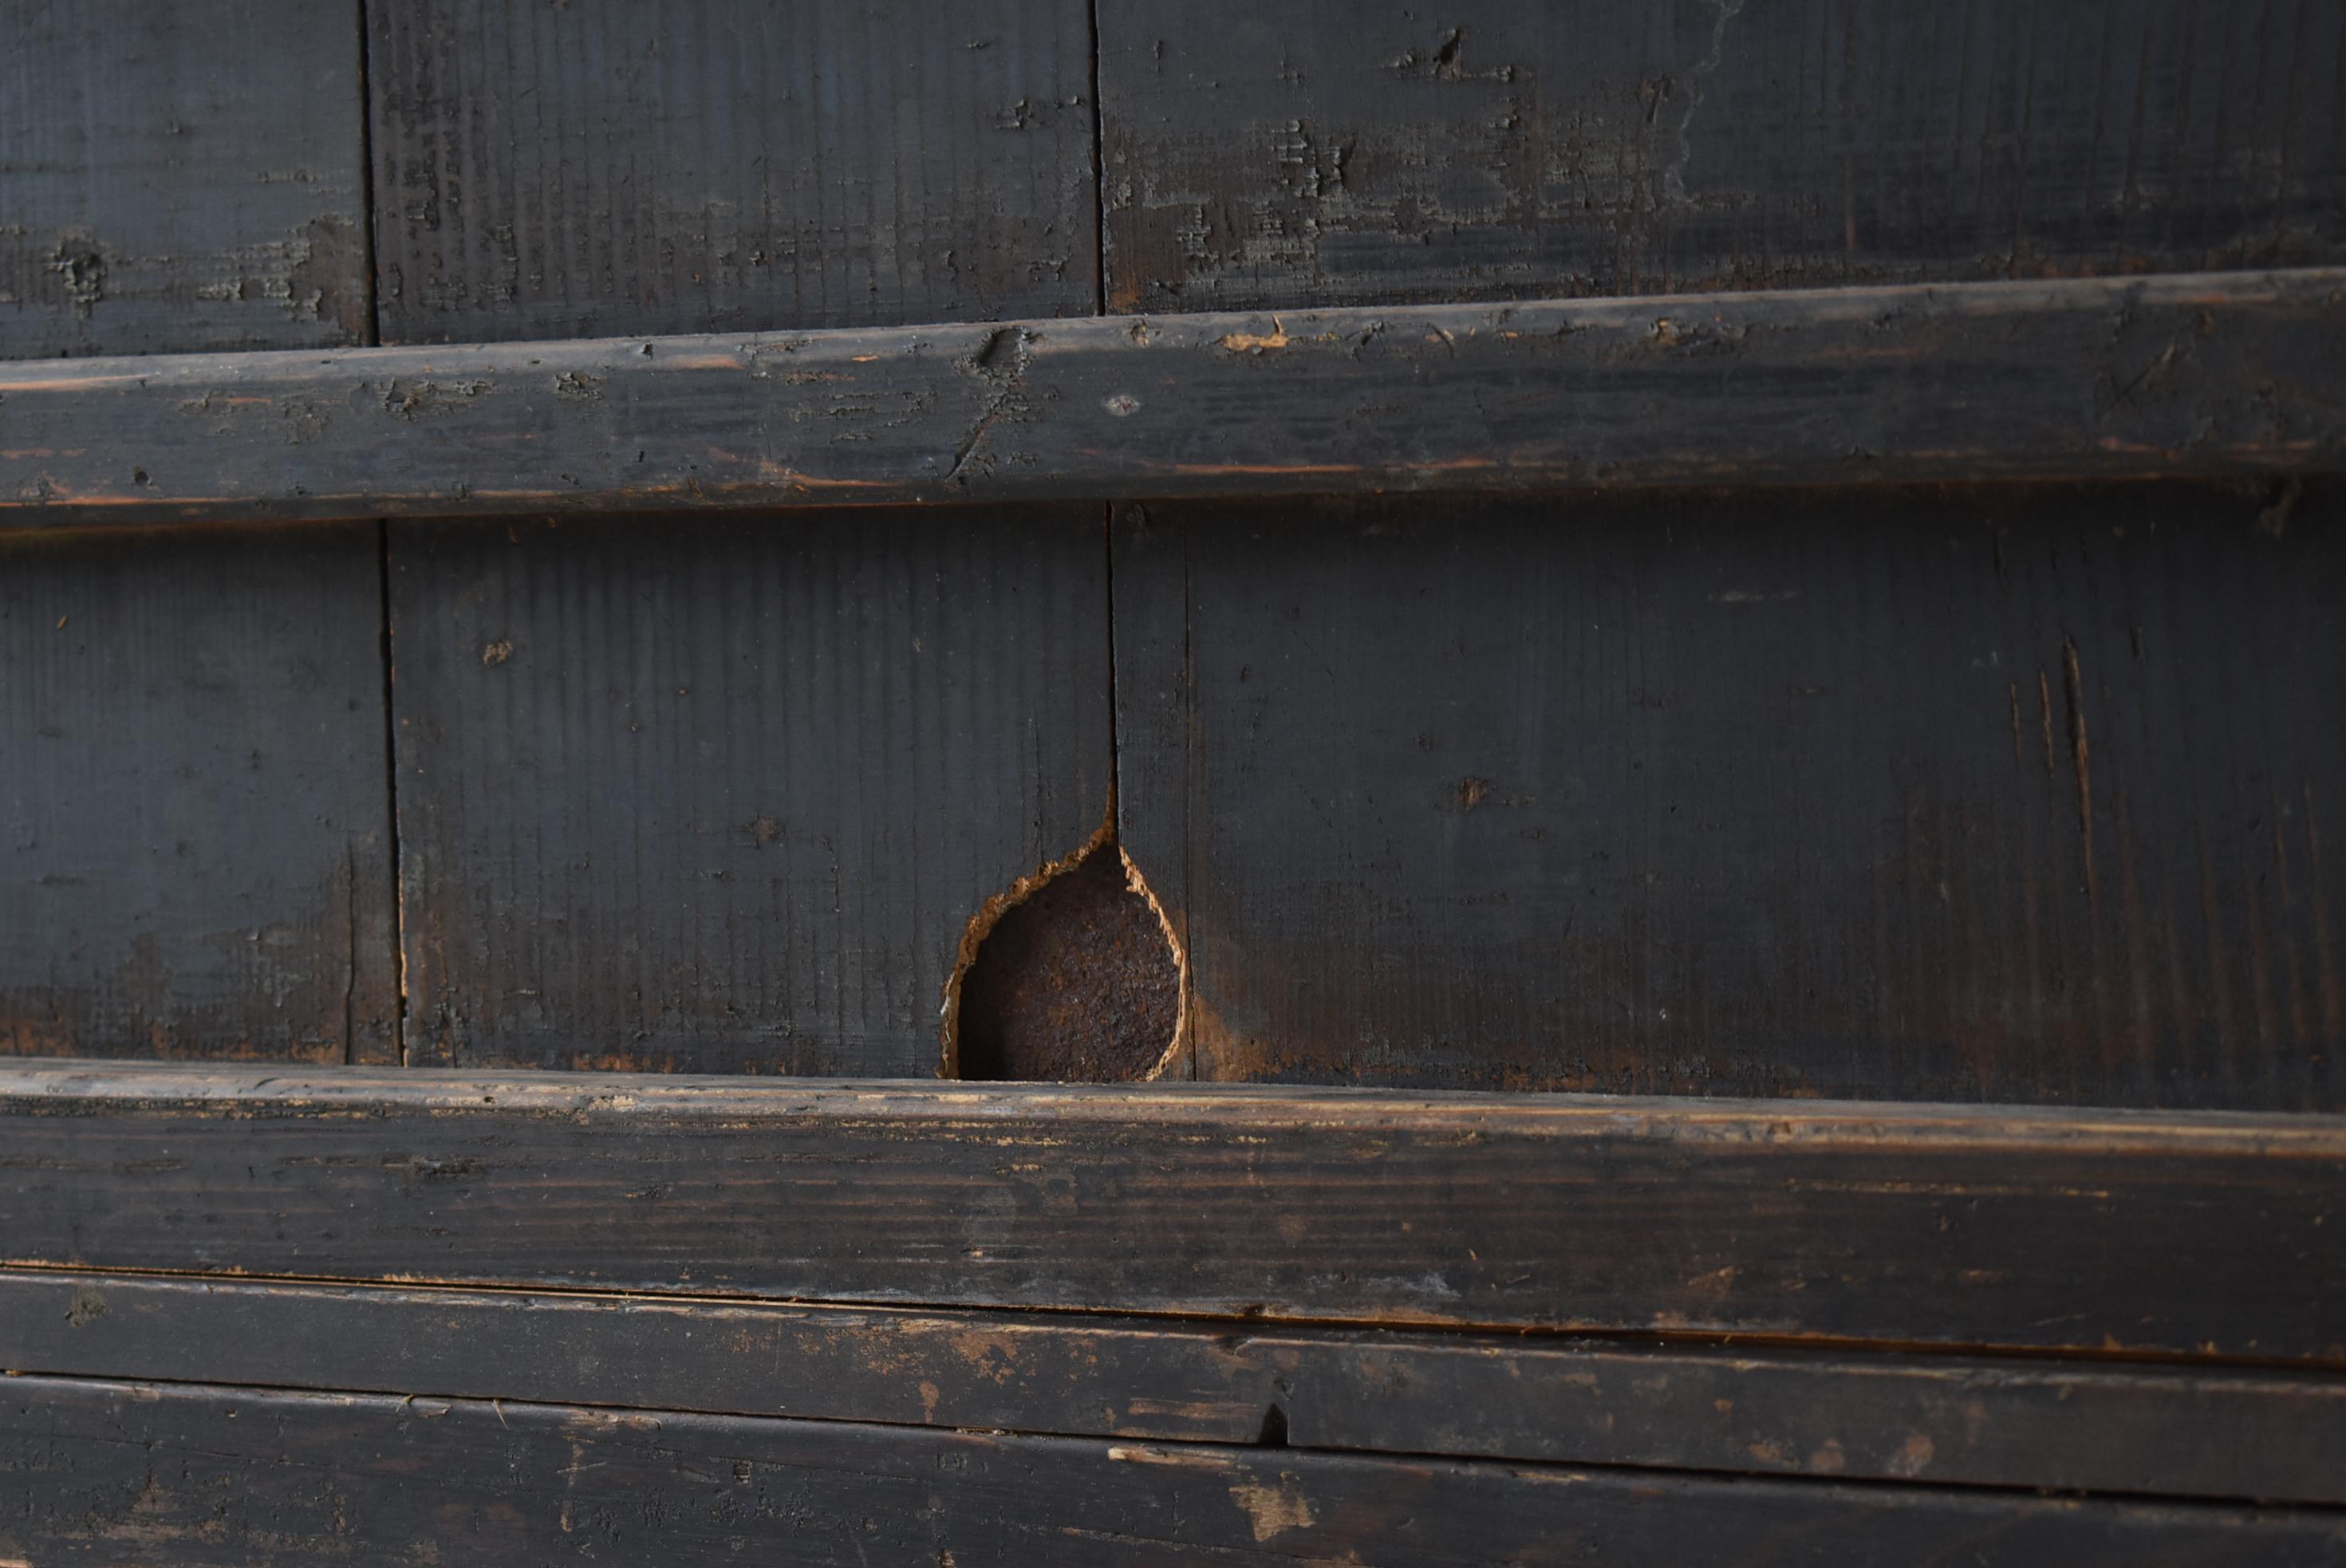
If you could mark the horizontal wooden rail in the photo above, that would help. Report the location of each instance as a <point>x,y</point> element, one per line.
<point>177,1473</point>
<point>2034,1423</point>
<point>2179,375</point>
<point>2188,1233</point>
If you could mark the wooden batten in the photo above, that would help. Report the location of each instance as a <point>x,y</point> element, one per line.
<point>1664,1403</point>
<point>2181,1235</point>
<point>2179,374</point>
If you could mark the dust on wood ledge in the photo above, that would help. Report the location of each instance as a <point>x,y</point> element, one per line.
<point>1851,1413</point>
<point>2182,1234</point>
<point>2187,373</point>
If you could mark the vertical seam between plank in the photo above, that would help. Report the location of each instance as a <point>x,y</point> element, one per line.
<point>1099,172</point>
<point>391,804</point>
<point>369,222</point>
<point>367,212</point>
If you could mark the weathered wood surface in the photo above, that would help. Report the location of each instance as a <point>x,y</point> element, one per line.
<point>195,832</point>
<point>2203,374</point>
<point>724,796</point>
<point>195,843</point>
<point>181,179</point>
<point>1984,794</point>
<point>135,1473</point>
<point>2141,1428</point>
<point>678,167</point>
<point>1275,156</point>
<point>2205,1233</point>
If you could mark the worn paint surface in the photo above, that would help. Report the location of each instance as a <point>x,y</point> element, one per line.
<point>1850,1413</point>
<point>547,172</point>
<point>723,795</point>
<point>2001,795</point>
<point>195,833</point>
<point>181,179</point>
<point>2205,374</point>
<point>2005,1226</point>
<point>134,1474</point>
<point>1279,156</point>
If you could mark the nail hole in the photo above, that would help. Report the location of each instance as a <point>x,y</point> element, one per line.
<point>1274,1427</point>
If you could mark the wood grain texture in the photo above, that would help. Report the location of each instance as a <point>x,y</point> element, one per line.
<point>577,170</point>
<point>2105,1428</point>
<point>2197,376</point>
<point>1271,156</point>
<point>2002,794</point>
<point>723,795</point>
<point>180,179</point>
<point>2202,1234</point>
<point>136,1473</point>
<point>195,847</point>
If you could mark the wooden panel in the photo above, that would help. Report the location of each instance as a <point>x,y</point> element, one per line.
<point>2148,1429</point>
<point>197,850</point>
<point>2198,1232</point>
<point>130,1473</point>
<point>193,814</point>
<point>2172,375</point>
<point>2021,795</point>
<point>722,796</point>
<point>180,178</point>
<point>1275,156</point>
<point>550,171</point>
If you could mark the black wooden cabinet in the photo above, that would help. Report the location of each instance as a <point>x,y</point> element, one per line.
<point>1662,684</point>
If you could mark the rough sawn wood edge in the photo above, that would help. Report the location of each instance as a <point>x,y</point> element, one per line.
<point>2200,374</point>
<point>2193,1235</point>
<point>1849,1413</point>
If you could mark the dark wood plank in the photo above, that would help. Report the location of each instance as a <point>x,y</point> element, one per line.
<point>724,797</point>
<point>194,854</point>
<point>130,1474</point>
<point>2014,795</point>
<point>573,170</point>
<point>181,179</point>
<point>1269,156</point>
<point>2202,1234</point>
<point>2147,1430</point>
<point>198,854</point>
<point>2160,376</point>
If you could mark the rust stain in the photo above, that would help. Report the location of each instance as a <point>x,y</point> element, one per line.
<point>2045,717</point>
<point>328,283</point>
<point>1913,1456</point>
<point>2073,690</point>
<point>1222,1052</point>
<point>2333,1005</point>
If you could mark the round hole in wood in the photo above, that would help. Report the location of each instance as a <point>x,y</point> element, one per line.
<point>1071,977</point>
